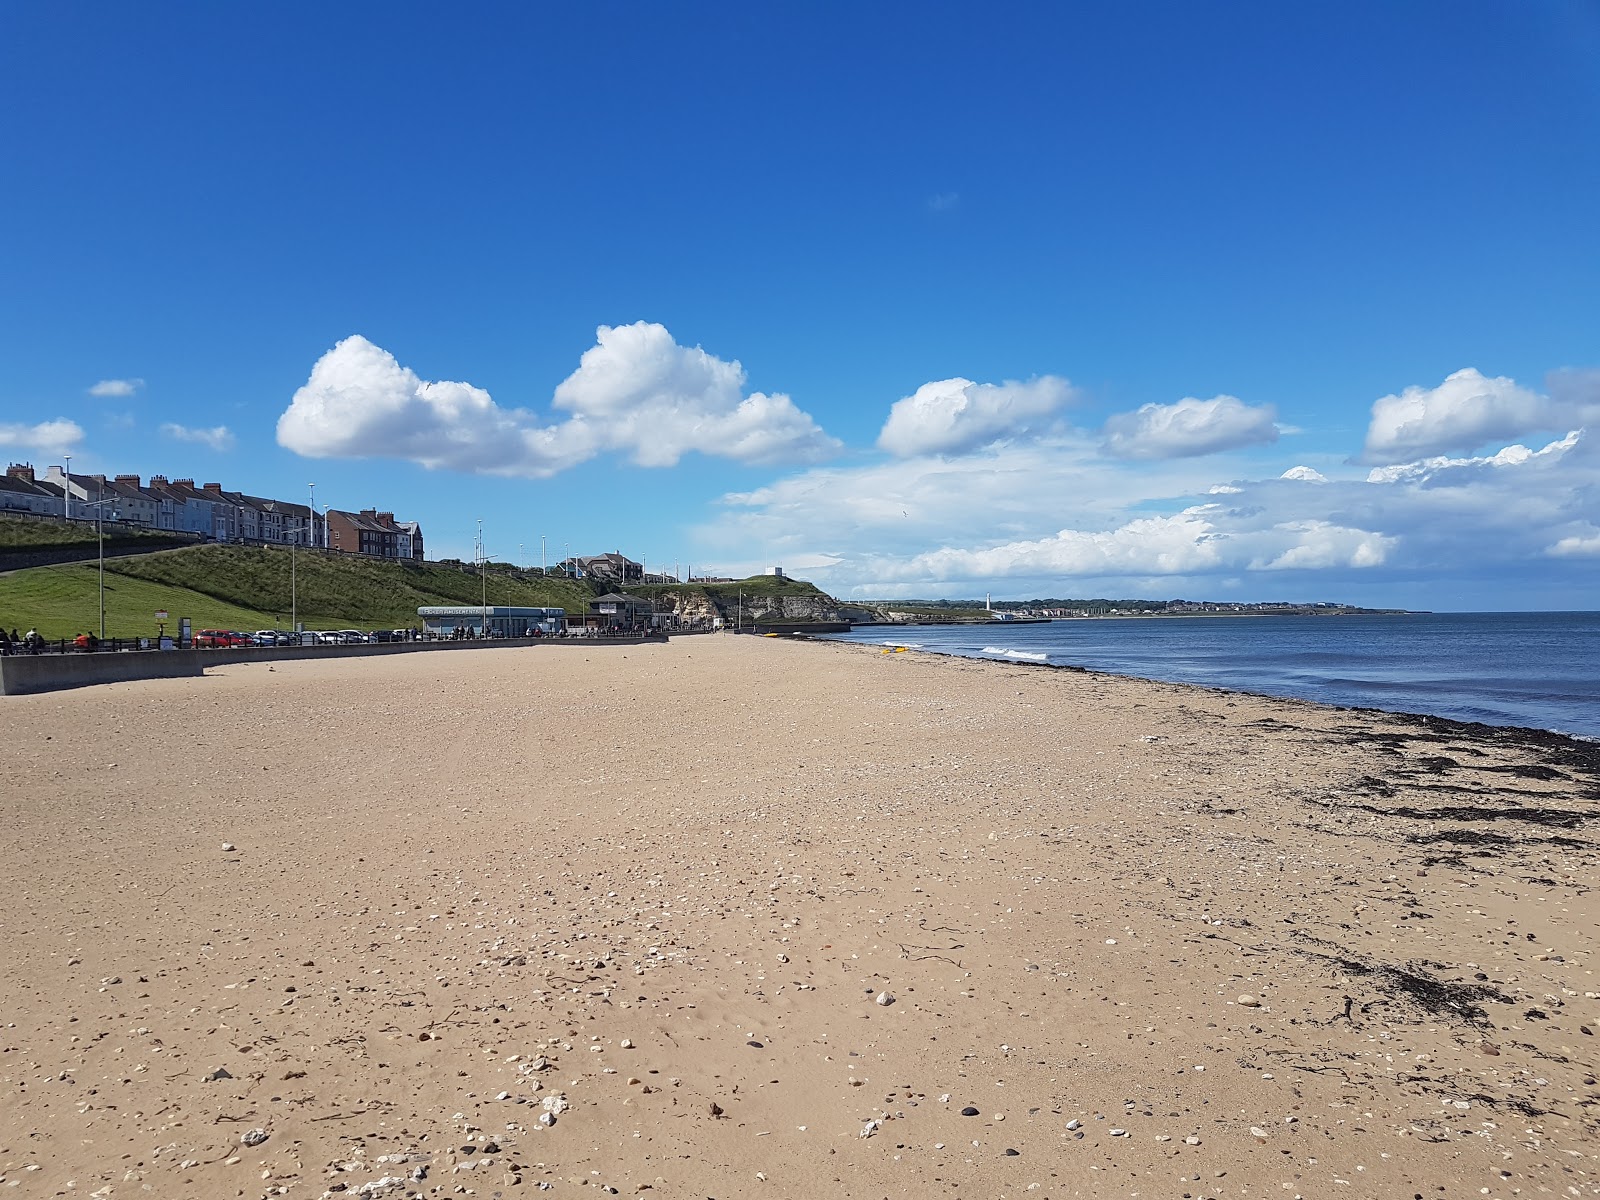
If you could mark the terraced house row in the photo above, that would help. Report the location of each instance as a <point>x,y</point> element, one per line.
<point>208,510</point>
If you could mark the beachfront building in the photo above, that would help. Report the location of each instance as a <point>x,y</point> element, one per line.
<point>376,533</point>
<point>446,621</point>
<point>616,611</point>
<point>20,492</point>
<point>610,568</point>
<point>209,511</point>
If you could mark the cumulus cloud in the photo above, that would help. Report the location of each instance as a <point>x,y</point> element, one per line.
<point>216,438</point>
<point>1200,540</point>
<point>1470,409</point>
<point>1054,517</point>
<point>636,391</point>
<point>658,400</point>
<point>117,387</point>
<point>47,437</point>
<point>953,415</point>
<point>1584,544</point>
<point>1189,428</point>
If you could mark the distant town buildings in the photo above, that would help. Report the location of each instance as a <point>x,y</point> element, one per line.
<point>208,511</point>
<point>615,568</point>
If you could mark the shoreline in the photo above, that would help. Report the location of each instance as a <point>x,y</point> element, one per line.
<point>656,894</point>
<point>1040,658</point>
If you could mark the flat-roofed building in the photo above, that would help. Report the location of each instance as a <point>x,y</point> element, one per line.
<point>446,621</point>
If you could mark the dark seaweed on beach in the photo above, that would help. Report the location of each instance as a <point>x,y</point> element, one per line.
<point>1479,837</point>
<point>1411,983</point>
<point>1560,818</point>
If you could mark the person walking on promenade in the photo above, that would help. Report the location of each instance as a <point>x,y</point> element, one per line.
<point>33,641</point>
<point>5,641</point>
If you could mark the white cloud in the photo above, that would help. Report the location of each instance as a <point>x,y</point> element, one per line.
<point>216,438</point>
<point>1051,517</point>
<point>1428,468</point>
<point>47,437</point>
<point>117,387</point>
<point>1469,409</point>
<point>1201,540</point>
<point>953,415</point>
<point>1189,428</point>
<point>1584,544</point>
<point>636,391</point>
<point>658,400</point>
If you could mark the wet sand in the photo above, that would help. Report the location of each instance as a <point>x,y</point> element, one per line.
<point>739,917</point>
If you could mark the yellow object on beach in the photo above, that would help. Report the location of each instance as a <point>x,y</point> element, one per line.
<point>894,650</point>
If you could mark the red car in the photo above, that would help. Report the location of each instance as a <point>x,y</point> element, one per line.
<point>219,639</point>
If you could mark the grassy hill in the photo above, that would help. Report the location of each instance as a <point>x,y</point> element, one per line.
<point>247,587</point>
<point>35,533</point>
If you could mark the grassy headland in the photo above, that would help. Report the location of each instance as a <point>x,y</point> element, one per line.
<point>248,587</point>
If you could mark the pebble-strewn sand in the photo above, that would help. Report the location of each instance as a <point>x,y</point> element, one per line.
<point>753,917</point>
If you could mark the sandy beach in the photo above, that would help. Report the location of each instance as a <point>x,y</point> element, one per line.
<point>736,916</point>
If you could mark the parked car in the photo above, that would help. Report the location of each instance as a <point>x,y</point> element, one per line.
<point>220,639</point>
<point>266,637</point>
<point>353,637</point>
<point>329,637</point>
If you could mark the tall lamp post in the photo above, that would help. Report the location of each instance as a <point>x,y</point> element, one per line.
<point>313,490</point>
<point>544,565</point>
<point>66,488</point>
<point>100,534</point>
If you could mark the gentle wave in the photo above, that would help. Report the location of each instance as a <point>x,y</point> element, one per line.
<point>1031,656</point>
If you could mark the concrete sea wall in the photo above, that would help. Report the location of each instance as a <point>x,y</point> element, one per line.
<point>27,674</point>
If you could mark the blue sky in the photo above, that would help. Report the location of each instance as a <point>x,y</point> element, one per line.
<point>911,299</point>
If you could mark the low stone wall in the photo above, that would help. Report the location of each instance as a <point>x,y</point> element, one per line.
<point>25,674</point>
<point>20,558</point>
<point>372,649</point>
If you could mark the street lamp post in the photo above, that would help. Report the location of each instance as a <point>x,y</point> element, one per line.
<point>66,488</point>
<point>100,536</point>
<point>313,530</point>
<point>544,566</point>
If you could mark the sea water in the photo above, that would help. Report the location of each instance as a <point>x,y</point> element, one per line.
<point>1540,670</point>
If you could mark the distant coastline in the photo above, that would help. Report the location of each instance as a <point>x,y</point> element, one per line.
<point>962,612</point>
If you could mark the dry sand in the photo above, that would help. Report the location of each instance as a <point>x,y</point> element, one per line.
<point>1162,941</point>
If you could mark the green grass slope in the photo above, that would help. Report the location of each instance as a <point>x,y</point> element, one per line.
<point>33,533</point>
<point>64,601</point>
<point>248,587</point>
